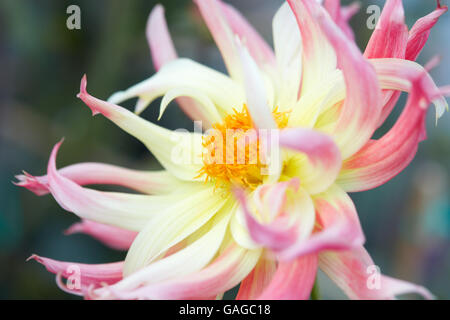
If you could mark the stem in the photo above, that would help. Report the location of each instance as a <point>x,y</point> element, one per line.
<point>315,292</point>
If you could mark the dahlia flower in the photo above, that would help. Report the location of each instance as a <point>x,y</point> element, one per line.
<point>267,223</point>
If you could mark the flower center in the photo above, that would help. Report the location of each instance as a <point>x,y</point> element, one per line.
<point>232,150</point>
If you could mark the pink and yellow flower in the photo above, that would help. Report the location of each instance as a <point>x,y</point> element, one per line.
<point>199,228</point>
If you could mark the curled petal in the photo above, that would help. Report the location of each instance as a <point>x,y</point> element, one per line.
<point>161,142</point>
<point>128,211</point>
<point>382,159</point>
<point>338,226</point>
<point>163,51</point>
<point>187,74</point>
<point>357,275</point>
<point>225,272</point>
<point>418,35</point>
<point>279,234</point>
<point>359,113</point>
<point>113,237</point>
<point>180,263</point>
<point>324,158</point>
<point>83,276</point>
<point>88,173</point>
<point>293,280</point>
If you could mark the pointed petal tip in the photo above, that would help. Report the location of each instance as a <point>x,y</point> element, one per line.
<point>31,183</point>
<point>83,85</point>
<point>84,95</point>
<point>34,257</point>
<point>74,229</point>
<point>440,6</point>
<point>51,167</point>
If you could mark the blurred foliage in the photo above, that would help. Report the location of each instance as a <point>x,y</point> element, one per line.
<point>407,226</point>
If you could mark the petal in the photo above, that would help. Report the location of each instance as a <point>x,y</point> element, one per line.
<point>180,220</point>
<point>397,74</point>
<point>163,51</point>
<point>180,263</point>
<point>342,15</point>
<point>418,35</point>
<point>275,236</point>
<point>317,51</point>
<point>184,93</point>
<point>161,142</point>
<point>225,272</point>
<point>357,275</point>
<point>361,108</point>
<point>214,17</point>
<point>184,73</point>
<point>339,227</point>
<point>389,40</point>
<point>293,280</point>
<point>288,49</point>
<point>90,275</point>
<point>285,229</point>
<point>113,237</point>
<point>158,37</point>
<point>382,159</point>
<point>324,158</point>
<point>257,46</point>
<point>260,277</point>
<point>257,101</point>
<point>128,211</point>
<point>87,173</point>
<point>390,36</point>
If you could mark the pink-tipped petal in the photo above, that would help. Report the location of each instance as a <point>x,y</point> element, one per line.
<point>276,235</point>
<point>391,33</point>
<point>129,211</point>
<point>160,141</point>
<point>381,160</point>
<point>323,154</point>
<point>159,39</point>
<point>342,15</point>
<point>362,106</point>
<point>260,277</point>
<point>318,54</point>
<point>113,237</point>
<point>89,173</point>
<point>419,33</point>
<point>358,276</point>
<point>163,51</point>
<point>226,271</point>
<point>257,46</point>
<point>339,227</point>
<point>293,280</point>
<point>214,17</point>
<point>389,40</point>
<point>82,276</point>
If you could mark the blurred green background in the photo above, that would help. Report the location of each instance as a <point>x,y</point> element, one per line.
<point>407,221</point>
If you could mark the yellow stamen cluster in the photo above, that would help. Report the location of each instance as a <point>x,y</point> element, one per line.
<point>223,162</point>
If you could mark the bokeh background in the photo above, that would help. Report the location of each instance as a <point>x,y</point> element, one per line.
<point>407,221</point>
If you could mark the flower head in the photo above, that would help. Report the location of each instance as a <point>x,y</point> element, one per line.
<point>263,201</point>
